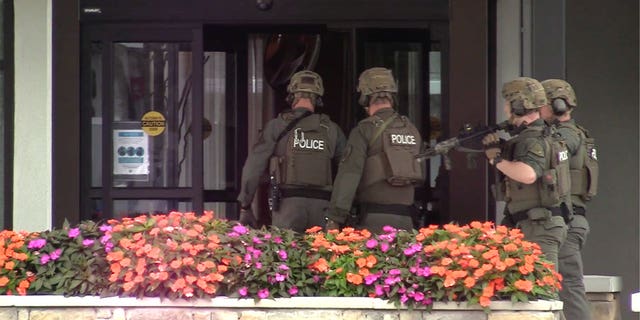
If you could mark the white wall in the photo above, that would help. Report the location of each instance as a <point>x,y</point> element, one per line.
<point>32,144</point>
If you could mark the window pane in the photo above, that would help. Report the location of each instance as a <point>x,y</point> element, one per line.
<point>132,208</point>
<point>95,89</point>
<point>222,210</point>
<point>219,144</point>
<point>152,114</point>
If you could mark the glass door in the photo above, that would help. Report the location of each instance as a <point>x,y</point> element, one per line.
<point>140,98</point>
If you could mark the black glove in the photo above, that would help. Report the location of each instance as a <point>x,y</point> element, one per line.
<point>247,218</point>
<point>492,148</point>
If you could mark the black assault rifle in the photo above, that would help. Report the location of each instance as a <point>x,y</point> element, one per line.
<point>469,140</point>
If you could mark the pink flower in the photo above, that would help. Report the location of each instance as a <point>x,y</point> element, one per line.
<point>257,240</point>
<point>87,242</point>
<point>384,247</point>
<point>418,296</point>
<point>371,243</point>
<point>280,277</point>
<point>37,244</point>
<point>74,232</point>
<point>293,290</point>
<point>258,265</point>
<point>371,278</point>
<point>282,254</point>
<point>45,259</point>
<point>243,291</point>
<point>389,229</point>
<point>263,293</point>
<point>55,254</point>
<point>240,229</point>
<point>283,267</point>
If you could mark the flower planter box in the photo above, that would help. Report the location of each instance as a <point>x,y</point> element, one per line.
<point>221,308</point>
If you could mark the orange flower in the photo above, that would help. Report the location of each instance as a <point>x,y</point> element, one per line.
<point>9,265</point>
<point>371,261</point>
<point>354,278</point>
<point>321,265</point>
<point>469,282</point>
<point>313,229</point>
<point>361,262</point>
<point>485,301</point>
<point>523,285</point>
<point>3,281</point>
<point>449,282</point>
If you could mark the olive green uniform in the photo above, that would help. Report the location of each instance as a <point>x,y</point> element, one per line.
<point>544,225</point>
<point>301,207</point>
<point>576,306</point>
<point>380,203</point>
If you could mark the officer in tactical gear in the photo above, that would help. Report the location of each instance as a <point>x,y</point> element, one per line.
<point>583,163</point>
<point>296,149</point>
<point>533,167</point>
<point>379,169</point>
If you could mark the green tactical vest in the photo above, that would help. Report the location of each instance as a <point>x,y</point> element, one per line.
<point>583,165</point>
<point>303,156</point>
<point>553,187</point>
<point>391,154</point>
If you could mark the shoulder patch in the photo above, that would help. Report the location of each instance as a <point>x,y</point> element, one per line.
<point>537,149</point>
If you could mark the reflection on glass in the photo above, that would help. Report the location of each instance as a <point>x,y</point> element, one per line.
<point>405,59</point>
<point>152,114</point>
<point>219,120</point>
<point>133,208</point>
<point>435,110</point>
<point>95,89</point>
<point>223,210</point>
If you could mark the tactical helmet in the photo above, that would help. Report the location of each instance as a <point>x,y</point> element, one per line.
<point>376,80</point>
<point>306,81</point>
<point>526,92</point>
<point>556,88</point>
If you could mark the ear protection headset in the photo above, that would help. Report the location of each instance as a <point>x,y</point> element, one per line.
<point>559,106</point>
<point>517,107</point>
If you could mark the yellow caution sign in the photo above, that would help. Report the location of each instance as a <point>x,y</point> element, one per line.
<point>153,123</point>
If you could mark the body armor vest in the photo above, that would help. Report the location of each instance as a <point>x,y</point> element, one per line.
<point>583,164</point>
<point>553,187</point>
<point>392,153</point>
<point>303,156</point>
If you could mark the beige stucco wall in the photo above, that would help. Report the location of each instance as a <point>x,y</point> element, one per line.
<point>32,144</point>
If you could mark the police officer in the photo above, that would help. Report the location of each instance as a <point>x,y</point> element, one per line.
<point>298,148</point>
<point>378,168</point>
<point>533,168</point>
<point>583,161</point>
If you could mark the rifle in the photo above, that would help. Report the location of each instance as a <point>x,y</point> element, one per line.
<point>468,136</point>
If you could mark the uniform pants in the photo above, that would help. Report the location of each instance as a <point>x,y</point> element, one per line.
<point>549,234</point>
<point>576,306</point>
<point>300,214</point>
<point>375,222</point>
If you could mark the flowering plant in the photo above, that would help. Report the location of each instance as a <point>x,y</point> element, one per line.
<point>68,261</point>
<point>476,263</point>
<point>175,256</point>
<point>15,277</point>
<point>183,255</point>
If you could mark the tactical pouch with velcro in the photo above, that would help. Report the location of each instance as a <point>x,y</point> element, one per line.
<point>549,190</point>
<point>401,143</point>
<point>537,214</point>
<point>591,165</point>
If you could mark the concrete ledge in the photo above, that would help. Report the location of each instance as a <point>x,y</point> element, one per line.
<point>280,303</point>
<point>596,283</point>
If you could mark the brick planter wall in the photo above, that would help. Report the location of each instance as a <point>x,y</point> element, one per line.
<point>306,308</point>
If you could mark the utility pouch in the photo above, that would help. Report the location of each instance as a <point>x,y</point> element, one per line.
<point>404,168</point>
<point>275,170</point>
<point>591,165</point>
<point>549,191</point>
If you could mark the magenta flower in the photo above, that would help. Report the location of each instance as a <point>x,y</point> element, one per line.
<point>389,229</point>
<point>87,242</point>
<point>280,277</point>
<point>418,296</point>
<point>282,254</point>
<point>258,265</point>
<point>371,243</point>
<point>283,267</point>
<point>37,244</point>
<point>257,240</point>
<point>371,278</point>
<point>74,232</point>
<point>44,259</point>
<point>243,291</point>
<point>293,290</point>
<point>384,247</point>
<point>263,293</point>
<point>55,254</point>
<point>240,229</point>
<point>105,228</point>
<point>378,290</point>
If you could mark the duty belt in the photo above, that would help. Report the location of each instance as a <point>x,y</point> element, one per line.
<point>398,209</point>
<point>306,193</point>
<point>580,211</point>
<point>522,215</point>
